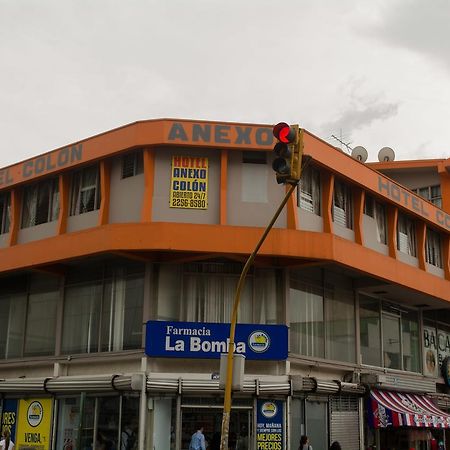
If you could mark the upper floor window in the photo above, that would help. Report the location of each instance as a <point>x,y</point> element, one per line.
<point>431,193</point>
<point>377,211</point>
<point>132,164</point>
<point>322,319</point>
<point>5,206</point>
<point>433,248</point>
<point>103,310</point>
<point>254,173</point>
<point>85,191</point>
<point>406,235</point>
<point>40,203</point>
<point>25,305</point>
<point>309,193</point>
<point>207,293</point>
<point>342,204</point>
<point>389,335</point>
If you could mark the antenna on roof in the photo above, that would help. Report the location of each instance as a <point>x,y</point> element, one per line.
<point>386,154</point>
<point>360,153</point>
<point>345,144</point>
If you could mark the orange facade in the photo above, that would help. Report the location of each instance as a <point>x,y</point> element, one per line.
<point>296,246</point>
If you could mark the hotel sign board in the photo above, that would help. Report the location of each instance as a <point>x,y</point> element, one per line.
<point>204,340</point>
<point>189,182</point>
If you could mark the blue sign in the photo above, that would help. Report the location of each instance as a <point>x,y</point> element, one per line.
<point>209,340</point>
<point>269,425</point>
<point>9,417</point>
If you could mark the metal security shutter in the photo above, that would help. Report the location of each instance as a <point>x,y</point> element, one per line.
<point>344,422</point>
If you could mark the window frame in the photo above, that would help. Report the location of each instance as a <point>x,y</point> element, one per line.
<point>132,164</point>
<point>433,248</point>
<point>46,190</point>
<point>78,190</point>
<point>406,226</point>
<point>309,191</point>
<point>342,204</point>
<point>5,212</point>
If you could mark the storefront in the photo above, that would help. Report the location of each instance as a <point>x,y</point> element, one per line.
<point>404,421</point>
<point>69,413</point>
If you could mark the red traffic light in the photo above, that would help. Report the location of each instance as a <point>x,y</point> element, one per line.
<point>284,133</point>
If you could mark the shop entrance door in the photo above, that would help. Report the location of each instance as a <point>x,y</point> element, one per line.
<point>210,417</point>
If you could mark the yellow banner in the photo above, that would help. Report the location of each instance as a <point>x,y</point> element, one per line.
<point>189,182</point>
<point>34,426</point>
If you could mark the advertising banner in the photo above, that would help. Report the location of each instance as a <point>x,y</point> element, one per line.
<point>9,417</point>
<point>34,424</point>
<point>436,347</point>
<point>189,182</point>
<point>209,340</point>
<point>269,425</point>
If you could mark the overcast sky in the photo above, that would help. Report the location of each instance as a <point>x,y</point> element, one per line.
<point>371,72</point>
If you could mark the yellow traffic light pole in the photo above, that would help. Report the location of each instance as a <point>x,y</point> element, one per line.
<point>237,297</point>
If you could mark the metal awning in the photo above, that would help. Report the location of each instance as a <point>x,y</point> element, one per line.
<point>399,409</point>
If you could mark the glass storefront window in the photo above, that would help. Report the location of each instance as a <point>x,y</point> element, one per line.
<point>105,423</point>
<point>369,325</point>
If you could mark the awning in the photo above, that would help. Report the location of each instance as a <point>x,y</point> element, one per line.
<point>398,409</point>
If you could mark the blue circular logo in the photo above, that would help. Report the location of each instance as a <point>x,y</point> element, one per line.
<point>259,341</point>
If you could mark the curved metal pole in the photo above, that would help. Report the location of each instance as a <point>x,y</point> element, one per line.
<point>229,373</point>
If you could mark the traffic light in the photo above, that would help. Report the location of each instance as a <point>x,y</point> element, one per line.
<point>288,153</point>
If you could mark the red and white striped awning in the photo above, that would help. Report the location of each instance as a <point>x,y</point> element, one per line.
<point>398,409</point>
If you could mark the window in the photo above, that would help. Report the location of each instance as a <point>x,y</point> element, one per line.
<point>254,186</point>
<point>340,324</point>
<point>309,194</point>
<point>431,193</point>
<point>207,293</point>
<point>377,211</point>
<point>132,164</point>
<point>85,191</point>
<point>22,315</point>
<point>322,319</point>
<point>381,221</point>
<point>406,235</point>
<point>433,248</point>
<point>96,422</point>
<point>5,211</point>
<point>370,330</point>
<point>40,203</point>
<point>254,157</point>
<point>389,335</point>
<point>103,314</point>
<point>306,320</point>
<point>342,205</point>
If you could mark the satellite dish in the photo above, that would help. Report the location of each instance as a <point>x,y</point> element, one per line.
<point>386,154</point>
<point>360,153</point>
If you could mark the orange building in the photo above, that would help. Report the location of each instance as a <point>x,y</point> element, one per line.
<point>119,257</point>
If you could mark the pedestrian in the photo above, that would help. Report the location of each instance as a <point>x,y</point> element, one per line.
<point>198,440</point>
<point>6,443</point>
<point>304,443</point>
<point>335,446</point>
<point>129,436</point>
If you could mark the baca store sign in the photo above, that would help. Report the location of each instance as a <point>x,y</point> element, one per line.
<point>209,340</point>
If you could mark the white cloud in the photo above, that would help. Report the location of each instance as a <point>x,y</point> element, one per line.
<point>76,68</point>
